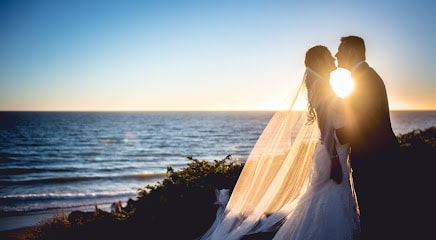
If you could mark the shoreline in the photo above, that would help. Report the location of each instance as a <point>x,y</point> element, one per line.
<point>22,233</point>
<point>31,219</point>
<point>22,226</point>
<point>25,220</point>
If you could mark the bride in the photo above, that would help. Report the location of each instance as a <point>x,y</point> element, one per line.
<point>296,183</point>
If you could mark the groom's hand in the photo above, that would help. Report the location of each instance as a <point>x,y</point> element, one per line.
<point>336,170</point>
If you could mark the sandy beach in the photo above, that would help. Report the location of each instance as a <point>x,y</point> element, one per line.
<point>25,220</point>
<point>18,234</point>
<point>21,227</point>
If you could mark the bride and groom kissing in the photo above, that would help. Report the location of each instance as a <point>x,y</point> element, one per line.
<point>328,178</point>
<point>364,124</point>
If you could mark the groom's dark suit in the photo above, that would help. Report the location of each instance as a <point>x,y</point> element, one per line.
<point>374,149</point>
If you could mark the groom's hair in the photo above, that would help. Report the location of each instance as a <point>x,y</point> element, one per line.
<point>356,43</point>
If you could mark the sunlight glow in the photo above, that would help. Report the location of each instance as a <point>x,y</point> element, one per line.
<point>341,82</point>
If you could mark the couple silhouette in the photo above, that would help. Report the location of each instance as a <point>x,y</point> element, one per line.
<point>324,173</point>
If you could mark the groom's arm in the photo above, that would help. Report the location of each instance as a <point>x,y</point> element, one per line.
<point>341,136</point>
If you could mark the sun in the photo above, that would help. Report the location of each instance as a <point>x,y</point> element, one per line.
<point>341,82</point>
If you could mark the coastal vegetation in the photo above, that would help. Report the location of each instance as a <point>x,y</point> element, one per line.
<point>181,206</point>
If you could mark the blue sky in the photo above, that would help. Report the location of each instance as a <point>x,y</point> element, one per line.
<point>201,55</point>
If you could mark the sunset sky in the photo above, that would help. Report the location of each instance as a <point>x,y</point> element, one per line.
<point>201,55</point>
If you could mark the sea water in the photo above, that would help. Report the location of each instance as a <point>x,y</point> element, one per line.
<point>77,160</point>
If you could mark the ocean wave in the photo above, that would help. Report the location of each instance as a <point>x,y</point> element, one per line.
<point>85,204</point>
<point>144,176</point>
<point>17,171</point>
<point>63,196</point>
<point>27,203</point>
<point>26,170</point>
<point>56,180</point>
<point>6,157</point>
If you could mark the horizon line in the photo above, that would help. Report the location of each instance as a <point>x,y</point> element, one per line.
<point>186,110</point>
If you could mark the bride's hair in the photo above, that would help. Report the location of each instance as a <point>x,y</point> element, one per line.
<point>314,56</point>
<point>314,60</point>
<point>320,95</point>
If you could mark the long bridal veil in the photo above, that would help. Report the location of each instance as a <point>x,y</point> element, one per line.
<point>274,175</point>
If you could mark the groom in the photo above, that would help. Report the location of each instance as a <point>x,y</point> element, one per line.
<point>374,146</point>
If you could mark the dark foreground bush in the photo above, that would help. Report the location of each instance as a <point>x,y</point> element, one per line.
<point>179,207</point>
<point>182,205</point>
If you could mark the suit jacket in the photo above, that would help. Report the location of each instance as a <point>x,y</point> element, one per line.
<point>367,119</point>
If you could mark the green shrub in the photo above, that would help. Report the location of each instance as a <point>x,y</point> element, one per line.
<point>184,200</point>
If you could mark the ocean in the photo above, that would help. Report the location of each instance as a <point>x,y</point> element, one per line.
<point>76,160</point>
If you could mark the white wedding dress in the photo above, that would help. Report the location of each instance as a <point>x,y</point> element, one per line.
<point>327,210</point>
<point>285,186</point>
